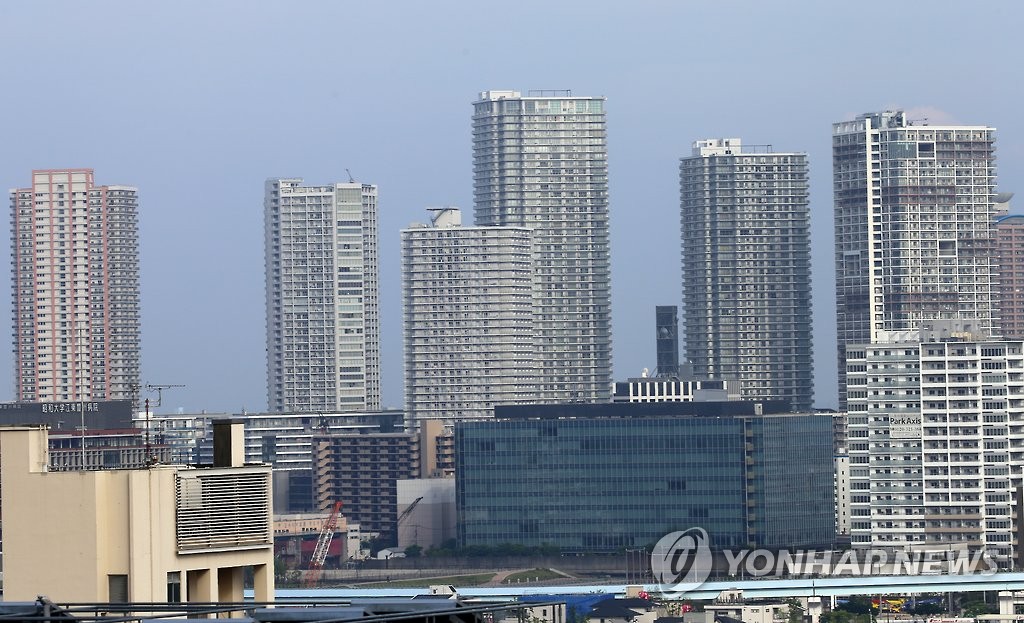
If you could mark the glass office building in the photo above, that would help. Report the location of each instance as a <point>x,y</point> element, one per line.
<point>603,477</point>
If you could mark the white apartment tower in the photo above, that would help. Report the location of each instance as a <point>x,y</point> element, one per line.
<point>936,440</point>
<point>914,226</point>
<point>468,318</point>
<point>541,162</point>
<point>323,325</point>
<point>747,269</point>
<point>75,253</point>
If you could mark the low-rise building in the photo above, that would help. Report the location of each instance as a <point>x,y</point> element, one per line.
<point>296,535</point>
<point>675,389</point>
<point>105,449</point>
<point>731,607</point>
<point>163,533</point>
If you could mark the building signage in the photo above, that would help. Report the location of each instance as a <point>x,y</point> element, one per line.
<point>99,414</point>
<point>905,426</point>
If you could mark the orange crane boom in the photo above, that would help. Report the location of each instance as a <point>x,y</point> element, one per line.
<point>323,546</point>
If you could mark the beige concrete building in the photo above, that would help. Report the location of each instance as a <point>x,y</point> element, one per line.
<point>426,512</point>
<point>166,533</point>
<point>437,449</point>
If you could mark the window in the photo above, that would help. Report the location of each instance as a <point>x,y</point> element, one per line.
<point>173,587</point>
<point>117,589</point>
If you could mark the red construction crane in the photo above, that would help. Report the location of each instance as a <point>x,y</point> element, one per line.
<point>323,545</point>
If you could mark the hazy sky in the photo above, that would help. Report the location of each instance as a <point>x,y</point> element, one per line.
<point>197,103</point>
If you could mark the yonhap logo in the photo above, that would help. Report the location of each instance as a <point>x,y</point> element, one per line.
<point>681,560</point>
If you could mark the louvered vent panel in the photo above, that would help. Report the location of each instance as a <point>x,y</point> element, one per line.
<point>218,511</point>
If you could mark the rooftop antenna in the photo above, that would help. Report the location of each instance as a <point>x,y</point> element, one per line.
<point>159,389</point>
<point>351,180</point>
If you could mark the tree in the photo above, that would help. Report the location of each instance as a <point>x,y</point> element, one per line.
<point>843,616</point>
<point>795,613</point>
<point>927,609</point>
<point>976,607</point>
<point>859,604</point>
<point>283,574</point>
<point>413,551</point>
<point>280,569</point>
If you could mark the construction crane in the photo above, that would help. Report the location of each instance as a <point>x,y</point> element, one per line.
<point>405,514</point>
<point>323,546</point>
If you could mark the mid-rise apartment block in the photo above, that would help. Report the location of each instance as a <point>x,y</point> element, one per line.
<point>362,472</point>
<point>747,268</point>
<point>468,317</point>
<point>75,260</point>
<point>914,227</point>
<point>540,162</point>
<point>936,439</point>
<point>323,324</point>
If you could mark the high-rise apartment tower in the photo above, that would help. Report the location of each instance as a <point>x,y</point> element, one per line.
<point>914,226</point>
<point>541,162</point>
<point>75,252</point>
<point>936,442</point>
<point>468,316</point>
<point>746,269</point>
<point>323,325</point>
<point>1010,249</point>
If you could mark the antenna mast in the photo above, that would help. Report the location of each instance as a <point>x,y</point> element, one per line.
<point>159,389</point>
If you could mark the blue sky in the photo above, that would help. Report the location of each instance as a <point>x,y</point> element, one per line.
<point>197,103</point>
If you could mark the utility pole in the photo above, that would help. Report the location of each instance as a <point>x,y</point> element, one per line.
<point>81,383</point>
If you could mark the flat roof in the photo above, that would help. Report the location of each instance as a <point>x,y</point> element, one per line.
<point>716,408</point>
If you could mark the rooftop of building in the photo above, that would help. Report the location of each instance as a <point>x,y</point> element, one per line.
<point>724,408</point>
<point>534,94</point>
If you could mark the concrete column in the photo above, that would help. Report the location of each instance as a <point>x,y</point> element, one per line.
<point>1006,602</point>
<point>229,443</point>
<point>814,608</point>
<point>230,584</point>
<point>263,582</point>
<point>202,586</point>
